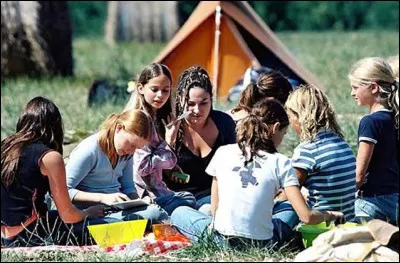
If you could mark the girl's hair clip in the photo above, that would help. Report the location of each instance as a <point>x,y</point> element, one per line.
<point>131,86</point>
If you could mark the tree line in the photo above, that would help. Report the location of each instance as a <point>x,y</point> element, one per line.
<point>88,18</point>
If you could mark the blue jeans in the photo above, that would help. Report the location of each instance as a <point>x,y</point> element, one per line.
<point>174,200</point>
<point>203,197</point>
<point>383,207</point>
<point>194,225</point>
<point>203,201</point>
<point>284,212</point>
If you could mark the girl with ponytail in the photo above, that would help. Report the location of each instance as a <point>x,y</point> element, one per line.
<point>100,168</point>
<point>374,85</point>
<point>246,177</point>
<point>269,85</point>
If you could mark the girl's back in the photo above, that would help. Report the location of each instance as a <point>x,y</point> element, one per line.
<point>250,188</point>
<point>18,198</point>
<point>330,165</point>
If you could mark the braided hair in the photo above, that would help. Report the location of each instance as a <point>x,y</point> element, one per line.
<point>194,76</point>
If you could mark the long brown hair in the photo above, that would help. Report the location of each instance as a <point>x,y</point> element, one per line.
<point>134,121</point>
<point>253,132</point>
<point>40,122</point>
<point>137,100</point>
<point>272,84</point>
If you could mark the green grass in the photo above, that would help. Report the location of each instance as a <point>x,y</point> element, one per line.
<point>328,55</point>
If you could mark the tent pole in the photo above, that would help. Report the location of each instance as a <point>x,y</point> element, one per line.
<point>216,52</point>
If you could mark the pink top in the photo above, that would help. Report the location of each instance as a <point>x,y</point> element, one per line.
<point>148,163</point>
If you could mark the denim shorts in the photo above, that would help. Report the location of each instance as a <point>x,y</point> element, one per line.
<point>383,207</point>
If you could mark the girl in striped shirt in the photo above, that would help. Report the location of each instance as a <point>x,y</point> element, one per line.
<point>323,161</point>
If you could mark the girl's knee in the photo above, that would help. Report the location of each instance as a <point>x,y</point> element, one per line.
<point>180,212</point>
<point>155,212</point>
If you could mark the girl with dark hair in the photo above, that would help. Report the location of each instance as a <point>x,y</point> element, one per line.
<point>269,85</point>
<point>246,177</point>
<point>31,166</point>
<point>197,137</point>
<point>153,95</point>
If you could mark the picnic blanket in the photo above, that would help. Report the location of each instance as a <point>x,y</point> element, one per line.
<point>135,248</point>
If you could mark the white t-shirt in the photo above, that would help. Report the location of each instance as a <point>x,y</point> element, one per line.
<point>246,194</point>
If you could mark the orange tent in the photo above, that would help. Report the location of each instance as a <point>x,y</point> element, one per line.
<point>227,45</point>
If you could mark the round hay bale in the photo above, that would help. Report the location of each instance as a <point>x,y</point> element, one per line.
<point>149,21</point>
<point>36,38</point>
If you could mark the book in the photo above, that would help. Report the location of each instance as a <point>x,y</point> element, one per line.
<point>129,204</point>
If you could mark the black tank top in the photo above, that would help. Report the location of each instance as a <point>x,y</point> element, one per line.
<point>16,200</point>
<point>200,182</point>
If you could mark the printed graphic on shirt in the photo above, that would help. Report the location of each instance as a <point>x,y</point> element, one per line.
<point>246,174</point>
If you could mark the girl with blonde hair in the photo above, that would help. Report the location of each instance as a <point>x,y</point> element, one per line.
<point>100,168</point>
<point>394,63</point>
<point>323,161</point>
<point>374,85</point>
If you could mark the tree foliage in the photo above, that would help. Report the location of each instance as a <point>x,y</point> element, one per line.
<point>88,17</point>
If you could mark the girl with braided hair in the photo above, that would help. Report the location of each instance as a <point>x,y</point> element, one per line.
<point>197,137</point>
<point>245,179</point>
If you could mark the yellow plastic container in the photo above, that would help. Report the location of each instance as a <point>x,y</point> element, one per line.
<point>118,233</point>
<point>310,232</point>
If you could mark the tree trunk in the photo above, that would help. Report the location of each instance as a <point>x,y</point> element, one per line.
<point>36,38</point>
<point>110,27</point>
<point>149,21</point>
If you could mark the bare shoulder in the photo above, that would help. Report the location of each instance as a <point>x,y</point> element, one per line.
<point>50,160</point>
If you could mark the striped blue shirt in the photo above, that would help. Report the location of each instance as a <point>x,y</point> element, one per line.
<point>331,172</point>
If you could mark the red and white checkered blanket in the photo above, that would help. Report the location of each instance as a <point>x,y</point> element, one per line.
<point>135,248</point>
